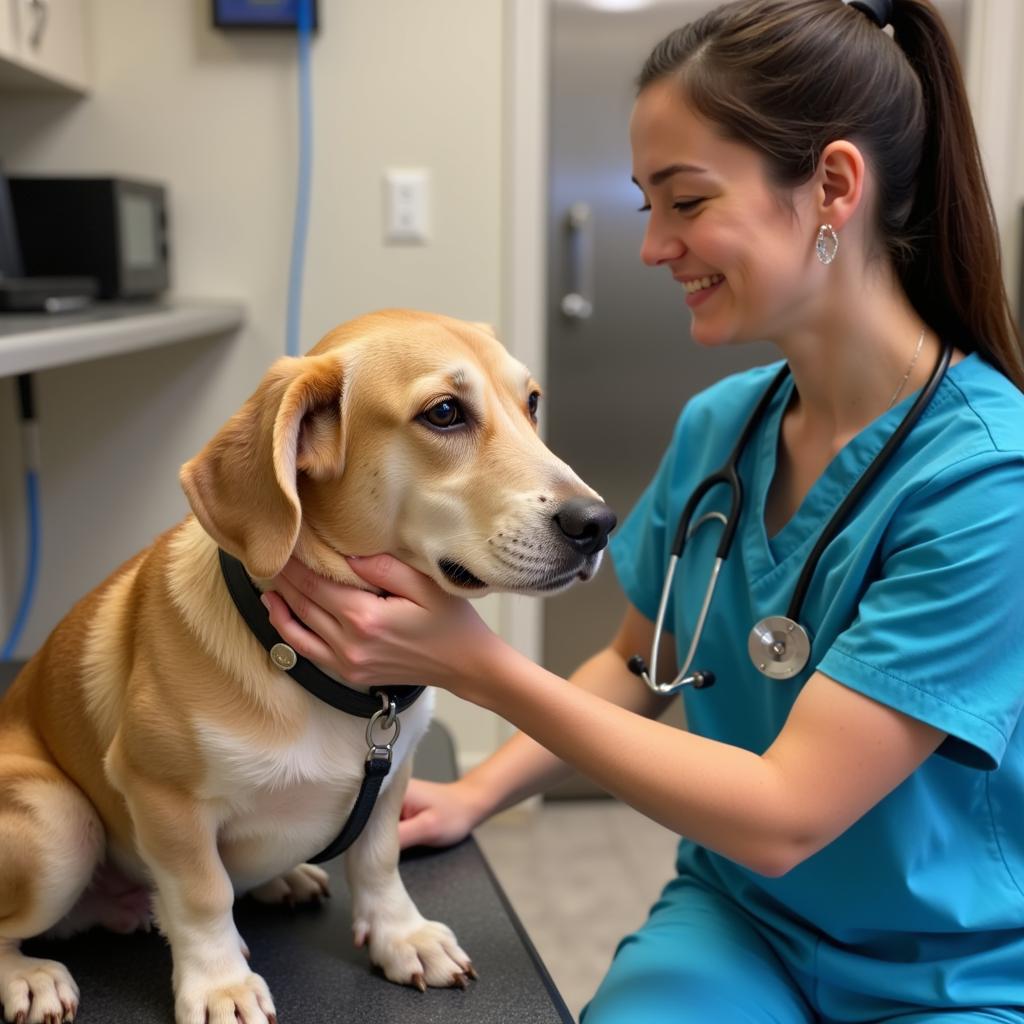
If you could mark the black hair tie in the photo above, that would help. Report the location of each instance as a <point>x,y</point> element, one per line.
<point>879,11</point>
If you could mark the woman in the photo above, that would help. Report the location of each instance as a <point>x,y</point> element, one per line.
<point>853,846</point>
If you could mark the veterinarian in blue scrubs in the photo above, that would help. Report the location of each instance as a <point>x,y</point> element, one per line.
<point>923,577</point>
<point>853,833</point>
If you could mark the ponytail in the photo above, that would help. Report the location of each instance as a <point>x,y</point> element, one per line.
<point>953,275</point>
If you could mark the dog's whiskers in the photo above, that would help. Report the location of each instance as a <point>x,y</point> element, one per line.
<point>516,561</point>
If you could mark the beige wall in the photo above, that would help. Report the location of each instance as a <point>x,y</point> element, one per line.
<point>995,80</point>
<point>396,83</point>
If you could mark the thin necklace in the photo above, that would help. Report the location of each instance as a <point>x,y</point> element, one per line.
<point>906,376</point>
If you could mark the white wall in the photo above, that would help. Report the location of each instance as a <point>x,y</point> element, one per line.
<point>995,80</point>
<point>212,114</point>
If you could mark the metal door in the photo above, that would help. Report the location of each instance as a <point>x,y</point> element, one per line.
<point>616,378</point>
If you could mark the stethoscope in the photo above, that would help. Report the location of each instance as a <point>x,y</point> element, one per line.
<point>778,645</point>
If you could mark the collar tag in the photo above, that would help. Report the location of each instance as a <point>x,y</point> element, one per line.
<point>283,656</point>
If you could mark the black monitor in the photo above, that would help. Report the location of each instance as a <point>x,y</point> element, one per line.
<point>10,250</point>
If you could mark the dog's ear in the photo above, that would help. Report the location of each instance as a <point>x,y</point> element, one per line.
<point>485,327</point>
<point>243,485</point>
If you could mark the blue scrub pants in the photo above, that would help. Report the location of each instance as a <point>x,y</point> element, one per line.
<point>701,959</point>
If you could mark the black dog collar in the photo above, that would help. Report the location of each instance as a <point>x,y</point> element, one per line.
<point>246,596</point>
<point>379,702</point>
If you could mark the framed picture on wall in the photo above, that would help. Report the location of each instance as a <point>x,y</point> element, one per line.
<point>262,13</point>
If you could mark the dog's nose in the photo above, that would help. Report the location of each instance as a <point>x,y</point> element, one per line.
<point>586,524</point>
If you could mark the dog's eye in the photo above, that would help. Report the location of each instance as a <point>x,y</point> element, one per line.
<point>445,414</point>
<point>532,403</point>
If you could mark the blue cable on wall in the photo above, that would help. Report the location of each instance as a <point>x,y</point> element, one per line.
<point>305,33</point>
<point>34,524</point>
<point>31,567</point>
<point>299,232</point>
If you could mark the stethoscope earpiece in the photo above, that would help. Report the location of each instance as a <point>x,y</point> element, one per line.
<point>637,666</point>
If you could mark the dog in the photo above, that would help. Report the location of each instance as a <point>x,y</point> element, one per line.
<point>155,763</point>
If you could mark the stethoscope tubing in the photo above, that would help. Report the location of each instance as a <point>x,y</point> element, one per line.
<point>867,478</point>
<point>728,474</point>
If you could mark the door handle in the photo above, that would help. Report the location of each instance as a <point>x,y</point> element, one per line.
<point>576,303</point>
<point>40,11</point>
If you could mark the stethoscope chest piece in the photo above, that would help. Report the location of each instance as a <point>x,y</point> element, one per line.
<point>779,647</point>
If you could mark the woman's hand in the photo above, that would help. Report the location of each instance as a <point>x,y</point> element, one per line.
<point>416,634</point>
<point>438,814</point>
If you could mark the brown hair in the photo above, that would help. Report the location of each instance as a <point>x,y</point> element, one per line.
<point>790,76</point>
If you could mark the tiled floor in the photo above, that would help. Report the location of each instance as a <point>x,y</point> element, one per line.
<point>580,875</point>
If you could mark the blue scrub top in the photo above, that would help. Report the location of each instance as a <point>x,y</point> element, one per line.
<point>919,604</point>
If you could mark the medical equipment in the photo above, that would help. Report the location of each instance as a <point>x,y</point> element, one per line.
<point>778,645</point>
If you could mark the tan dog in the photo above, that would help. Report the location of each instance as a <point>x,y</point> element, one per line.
<point>152,739</point>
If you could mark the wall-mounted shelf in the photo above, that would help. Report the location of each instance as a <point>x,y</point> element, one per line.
<point>40,341</point>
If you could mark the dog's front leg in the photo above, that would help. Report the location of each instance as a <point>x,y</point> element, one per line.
<point>177,838</point>
<point>408,948</point>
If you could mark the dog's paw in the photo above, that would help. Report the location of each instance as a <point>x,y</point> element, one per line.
<point>426,954</point>
<point>36,991</point>
<point>244,1000</point>
<point>303,884</point>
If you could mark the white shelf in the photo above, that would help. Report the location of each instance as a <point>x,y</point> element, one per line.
<point>40,341</point>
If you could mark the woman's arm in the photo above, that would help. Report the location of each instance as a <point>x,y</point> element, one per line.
<point>837,756</point>
<point>523,767</point>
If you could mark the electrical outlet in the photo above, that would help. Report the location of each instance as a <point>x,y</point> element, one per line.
<point>406,205</point>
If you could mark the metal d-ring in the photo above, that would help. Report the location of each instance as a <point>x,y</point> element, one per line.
<point>389,712</point>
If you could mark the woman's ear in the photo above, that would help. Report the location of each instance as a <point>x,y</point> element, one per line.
<point>841,181</point>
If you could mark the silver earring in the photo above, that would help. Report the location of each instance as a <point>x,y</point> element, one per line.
<point>827,244</point>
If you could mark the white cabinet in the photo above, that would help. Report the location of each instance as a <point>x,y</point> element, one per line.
<point>6,29</point>
<point>44,45</point>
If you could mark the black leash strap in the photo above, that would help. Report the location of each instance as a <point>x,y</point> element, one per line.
<point>377,768</point>
<point>381,705</point>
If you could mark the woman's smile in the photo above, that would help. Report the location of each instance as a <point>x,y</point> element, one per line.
<point>699,289</point>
